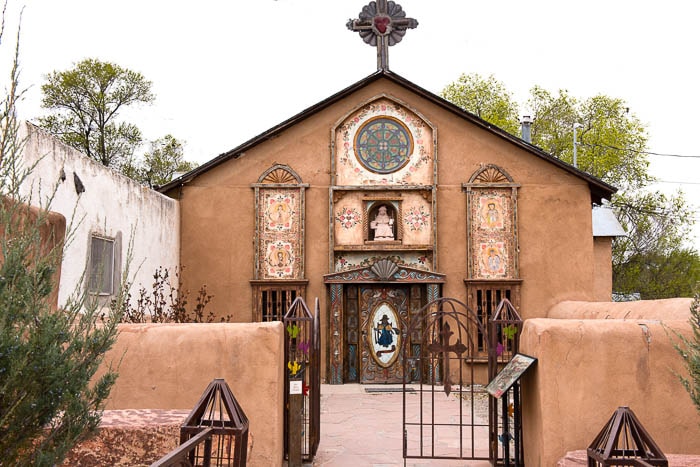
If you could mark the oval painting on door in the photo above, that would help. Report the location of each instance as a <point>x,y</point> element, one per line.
<point>386,334</point>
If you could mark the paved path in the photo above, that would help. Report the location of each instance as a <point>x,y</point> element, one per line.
<point>361,429</point>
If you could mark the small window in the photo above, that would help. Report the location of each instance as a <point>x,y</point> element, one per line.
<point>271,300</point>
<point>276,303</point>
<point>101,266</point>
<point>484,298</point>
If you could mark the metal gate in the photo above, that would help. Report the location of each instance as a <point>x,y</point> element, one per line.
<point>302,359</point>
<point>445,414</point>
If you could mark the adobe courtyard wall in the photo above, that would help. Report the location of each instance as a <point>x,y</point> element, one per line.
<point>587,368</point>
<point>52,231</point>
<point>168,366</point>
<point>669,309</point>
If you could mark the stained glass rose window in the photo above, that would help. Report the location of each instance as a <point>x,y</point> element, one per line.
<point>383,145</point>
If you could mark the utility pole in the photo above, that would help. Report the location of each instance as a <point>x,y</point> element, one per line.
<point>576,125</point>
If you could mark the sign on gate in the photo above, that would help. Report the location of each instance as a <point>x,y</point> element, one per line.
<point>509,375</point>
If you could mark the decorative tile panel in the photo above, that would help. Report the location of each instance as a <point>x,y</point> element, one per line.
<point>279,211</point>
<point>348,217</point>
<point>384,143</point>
<point>352,260</point>
<point>280,233</point>
<point>417,219</point>
<point>279,259</point>
<point>492,239</point>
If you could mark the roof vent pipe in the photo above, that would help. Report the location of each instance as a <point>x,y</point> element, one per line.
<point>525,128</point>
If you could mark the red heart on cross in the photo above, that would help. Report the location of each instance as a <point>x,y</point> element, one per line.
<point>382,23</point>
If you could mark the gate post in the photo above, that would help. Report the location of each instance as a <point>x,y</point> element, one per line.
<point>302,382</point>
<point>295,426</point>
<point>504,342</point>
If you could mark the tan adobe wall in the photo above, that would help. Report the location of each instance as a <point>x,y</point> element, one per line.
<point>168,366</point>
<point>588,368</point>
<point>52,233</point>
<point>667,310</point>
<point>602,272</point>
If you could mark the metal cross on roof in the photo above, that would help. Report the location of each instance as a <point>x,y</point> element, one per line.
<point>382,24</point>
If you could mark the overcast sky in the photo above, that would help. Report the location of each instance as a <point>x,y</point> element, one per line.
<point>226,71</point>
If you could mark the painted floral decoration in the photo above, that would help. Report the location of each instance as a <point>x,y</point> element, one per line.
<point>348,217</point>
<point>416,218</point>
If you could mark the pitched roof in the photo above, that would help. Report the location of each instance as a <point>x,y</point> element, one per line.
<point>599,189</point>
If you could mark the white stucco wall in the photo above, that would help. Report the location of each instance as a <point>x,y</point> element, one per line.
<point>112,205</point>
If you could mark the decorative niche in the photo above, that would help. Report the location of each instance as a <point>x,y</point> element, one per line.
<point>382,221</point>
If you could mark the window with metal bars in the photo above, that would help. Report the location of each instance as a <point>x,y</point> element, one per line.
<point>484,299</point>
<point>272,301</point>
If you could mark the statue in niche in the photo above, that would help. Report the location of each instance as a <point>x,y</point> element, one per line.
<point>383,225</point>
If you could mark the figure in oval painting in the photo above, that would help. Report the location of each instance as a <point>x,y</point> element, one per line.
<point>384,332</point>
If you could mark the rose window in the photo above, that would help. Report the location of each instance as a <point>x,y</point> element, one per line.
<point>383,145</point>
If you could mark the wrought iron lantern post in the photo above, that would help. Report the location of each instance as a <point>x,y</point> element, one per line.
<point>302,388</point>
<point>215,433</point>
<point>624,441</point>
<point>504,342</point>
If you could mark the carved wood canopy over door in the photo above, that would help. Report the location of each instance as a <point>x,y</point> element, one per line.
<point>383,320</point>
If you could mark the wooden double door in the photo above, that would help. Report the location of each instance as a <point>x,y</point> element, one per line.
<point>376,320</point>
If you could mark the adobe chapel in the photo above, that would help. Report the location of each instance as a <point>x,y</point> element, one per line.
<point>380,199</point>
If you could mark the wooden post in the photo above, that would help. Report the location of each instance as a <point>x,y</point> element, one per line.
<point>296,401</point>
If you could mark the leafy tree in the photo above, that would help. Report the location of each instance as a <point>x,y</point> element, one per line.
<point>652,259</point>
<point>611,144</point>
<point>659,275</point>
<point>160,165</point>
<point>610,141</point>
<point>48,357</point>
<point>86,101</point>
<point>487,98</point>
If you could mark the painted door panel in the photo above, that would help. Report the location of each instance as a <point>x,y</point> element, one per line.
<point>383,318</point>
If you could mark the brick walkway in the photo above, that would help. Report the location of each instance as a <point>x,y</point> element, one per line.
<point>361,429</point>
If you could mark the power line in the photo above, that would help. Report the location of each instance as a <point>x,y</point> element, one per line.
<point>607,146</point>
